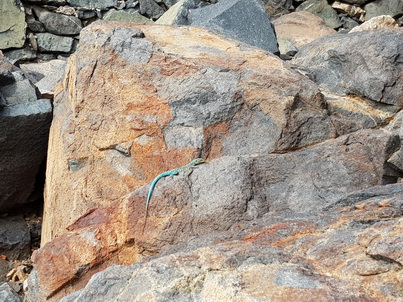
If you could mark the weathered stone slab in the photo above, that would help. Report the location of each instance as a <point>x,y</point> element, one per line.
<point>12,24</point>
<point>101,4</point>
<point>53,43</point>
<point>58,24</point>
<point>366,64</point>
<point>392,8</point>
<point>378,22</point>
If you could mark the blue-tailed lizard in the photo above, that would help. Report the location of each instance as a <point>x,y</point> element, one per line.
<point>172,172</point>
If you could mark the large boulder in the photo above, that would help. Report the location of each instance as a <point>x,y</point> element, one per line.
<point>367,64</point>
<point>189,93</point>
<point>25,121</point>
<point>197,208</point>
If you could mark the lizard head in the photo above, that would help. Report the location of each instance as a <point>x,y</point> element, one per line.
<point>197,161</point>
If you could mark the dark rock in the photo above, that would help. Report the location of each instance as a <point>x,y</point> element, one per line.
<point>367,64</point>
<point>34,25</point>
<point>101,4</point>
<point>7,294</point>
<point>84,14</point>
<point>322,9</point>
<point>58,24</point>
<point>23,54</point>
<point>151,9</point>
<point>53,43</point>
<point>240,20</point>
<point>377,8</point>
<point>15,238</point>
<point>5,267</point>
<point>278,8</point>
<point>124,16</point>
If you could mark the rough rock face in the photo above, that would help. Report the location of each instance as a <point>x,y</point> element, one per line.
<point>280,177</point>
<point>352,251</point>
<point>25,122</point>
<point>194,209</point>
<point>163,104</point>
<point>366,64</point>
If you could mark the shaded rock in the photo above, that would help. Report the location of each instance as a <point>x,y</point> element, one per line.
<point>58,24</point>
<point>322,9</point>
<point>84,14</point>
<point>377,8</point>
<point>15,239</point>
<point>301,28</point>
<point>366,64</point>
<point>124,16</point>
<point>151,9</point>
<point>25,124</point>
<point>45,75</point>
<point>378,22</point>
<point>5,267</point>
<point>245,102</point>
<point>7,294</point>
<point>101,4</point>
<point>287,48</point>
<point>278,8</point>
<point>244,21</point>
<point>53,43</point>
<point>34,25</point>
<point>12,24</point>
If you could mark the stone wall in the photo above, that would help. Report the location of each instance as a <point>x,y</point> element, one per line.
<point>41,30</point>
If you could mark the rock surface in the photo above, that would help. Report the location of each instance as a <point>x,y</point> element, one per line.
<point>12,24</point>
<point>378,22</point>
<point>188,98</point>
<point>301,28</point>
<point>7,294</point>
<point>366,64</point>
<point>15,238</point>
<point>322,9</point>
<point>25,121</point>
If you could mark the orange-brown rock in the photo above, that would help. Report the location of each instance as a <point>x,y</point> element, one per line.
<point>301,28</point>
<point>138,100</point>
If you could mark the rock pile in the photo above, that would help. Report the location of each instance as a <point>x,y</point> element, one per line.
<point>43,29</point>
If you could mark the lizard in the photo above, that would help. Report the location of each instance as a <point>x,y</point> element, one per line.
<point>172,172</point>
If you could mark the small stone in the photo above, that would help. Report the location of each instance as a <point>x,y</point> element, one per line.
<point>322,9</point>
<point>125,16</point>
<point>100,4</point>
<point>53,43</point>
<point>7,294</point>
<point>14,237</point>
<point>350,10</point>
<point>150,9</point>
<point>58,24</point>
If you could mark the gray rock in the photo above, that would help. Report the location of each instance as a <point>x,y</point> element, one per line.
<point>84,14</point>
<point>34,25</point>
<point>241,20</point>
<point>5,267</point>
<point>23,147</point>
<point>57,2</point>
<point>53,43</point>
<point>222,272</point>
<point>19,92</point>
<point>377,8</point>
<point>45,75</point>
<point>322,9</point>
<point>58,24</point>
<point>125,16</point>
<point>151,9</point>
<point>101,4</point>
<point>7,294</point>
<point>15,239</point>
<point>367,64</point>
<point>12,24</point>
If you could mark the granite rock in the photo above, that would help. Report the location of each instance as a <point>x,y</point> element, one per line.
<point>376,8</point>
<point>54,43</point>
<point>322,9</point>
